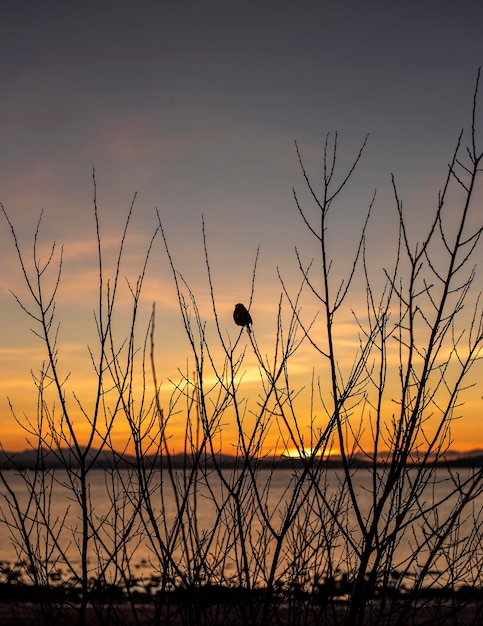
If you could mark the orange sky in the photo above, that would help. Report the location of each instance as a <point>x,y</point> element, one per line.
<point>307,369</point>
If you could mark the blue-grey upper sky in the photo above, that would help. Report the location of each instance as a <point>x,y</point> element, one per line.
<point>196,106</point>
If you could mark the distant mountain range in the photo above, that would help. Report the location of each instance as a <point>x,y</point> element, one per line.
<point>108,459</point>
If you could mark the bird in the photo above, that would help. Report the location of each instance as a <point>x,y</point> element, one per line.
<point>242,317</point>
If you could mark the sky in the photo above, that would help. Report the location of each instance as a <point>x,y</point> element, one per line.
<point>196,107</point>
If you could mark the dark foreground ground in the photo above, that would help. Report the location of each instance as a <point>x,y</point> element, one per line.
<point>24,615</point>
<point>441,611</point>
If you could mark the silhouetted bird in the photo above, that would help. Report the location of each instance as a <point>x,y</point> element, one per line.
<point>242,317</point>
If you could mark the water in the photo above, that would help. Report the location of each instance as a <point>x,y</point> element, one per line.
<point>211,530</point>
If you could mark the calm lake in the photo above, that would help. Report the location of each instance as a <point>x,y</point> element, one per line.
<point>201,524</point>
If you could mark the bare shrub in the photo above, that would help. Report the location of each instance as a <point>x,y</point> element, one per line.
<point>200,537</point>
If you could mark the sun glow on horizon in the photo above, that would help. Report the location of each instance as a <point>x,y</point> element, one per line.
<point>305,453</point>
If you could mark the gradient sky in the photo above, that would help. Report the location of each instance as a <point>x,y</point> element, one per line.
<point>196,106</point>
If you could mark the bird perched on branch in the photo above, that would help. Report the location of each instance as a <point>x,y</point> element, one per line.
<point>242,317</point>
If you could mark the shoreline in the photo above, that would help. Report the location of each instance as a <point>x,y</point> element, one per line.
<point>215,604</point>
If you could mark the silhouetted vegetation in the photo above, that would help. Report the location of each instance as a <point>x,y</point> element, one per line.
<point>405,547</point>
